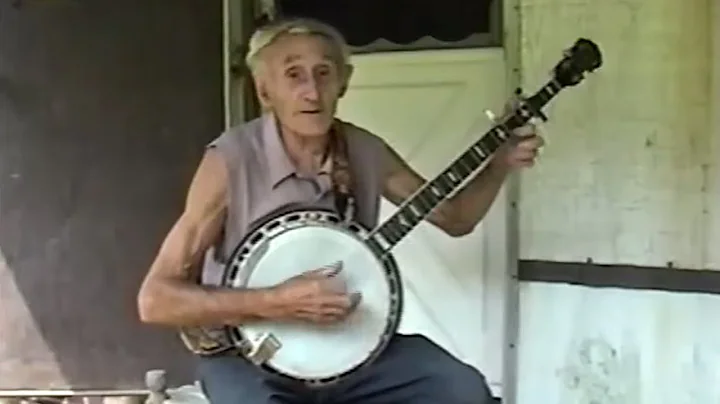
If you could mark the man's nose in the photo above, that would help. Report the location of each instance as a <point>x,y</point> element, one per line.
<point>312,90</point>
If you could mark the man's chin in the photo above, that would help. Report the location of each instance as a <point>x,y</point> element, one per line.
<point>313,129</point>
<point>311,133</point>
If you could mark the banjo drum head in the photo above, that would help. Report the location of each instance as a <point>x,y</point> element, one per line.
<point>315,352</point>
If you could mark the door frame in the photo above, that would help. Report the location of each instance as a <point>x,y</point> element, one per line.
<point>240,105</point>
<point>240,18</point>
<point>512,46</point>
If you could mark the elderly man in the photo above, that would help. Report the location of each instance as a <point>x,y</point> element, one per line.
<point>301,70</point>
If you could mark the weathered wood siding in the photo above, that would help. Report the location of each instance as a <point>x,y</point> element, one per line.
<point>630,176</point>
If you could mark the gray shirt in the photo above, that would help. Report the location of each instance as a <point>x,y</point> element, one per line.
<point>263,180</point>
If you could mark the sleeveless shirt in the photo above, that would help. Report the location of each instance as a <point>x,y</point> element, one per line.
<point>262,180</point>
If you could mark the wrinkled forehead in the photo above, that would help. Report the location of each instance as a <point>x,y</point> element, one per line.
<point>289,49</point>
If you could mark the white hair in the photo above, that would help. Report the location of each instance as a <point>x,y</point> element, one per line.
<point>267,34</point>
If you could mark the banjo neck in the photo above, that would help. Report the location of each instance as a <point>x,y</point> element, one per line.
<point>417,207</point>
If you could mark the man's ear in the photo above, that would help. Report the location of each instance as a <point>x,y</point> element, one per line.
<point>346,79</point>
<point>261,89</point>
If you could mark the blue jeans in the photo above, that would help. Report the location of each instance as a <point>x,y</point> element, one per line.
<point>412,370</point>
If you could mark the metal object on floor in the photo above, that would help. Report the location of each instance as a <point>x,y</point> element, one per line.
<point>157,392</point>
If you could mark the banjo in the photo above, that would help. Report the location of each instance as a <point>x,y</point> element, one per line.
<point>290,243</point>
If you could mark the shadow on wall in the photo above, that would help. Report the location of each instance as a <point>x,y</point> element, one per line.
<point>105,108</point>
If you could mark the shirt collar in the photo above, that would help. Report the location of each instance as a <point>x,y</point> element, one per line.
<point>280,165</point>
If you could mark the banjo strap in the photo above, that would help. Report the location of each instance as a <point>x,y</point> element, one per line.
<point>341,175</point>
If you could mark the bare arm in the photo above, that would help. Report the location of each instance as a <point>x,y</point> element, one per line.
<point>170,295</point>
<point>457,216</point>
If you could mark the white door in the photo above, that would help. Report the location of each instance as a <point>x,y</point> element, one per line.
<point>424,104</point>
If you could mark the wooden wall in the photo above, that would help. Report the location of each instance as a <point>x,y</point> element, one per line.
<point>104,110</point>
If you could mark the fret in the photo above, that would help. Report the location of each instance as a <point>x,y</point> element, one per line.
<point>503,134</point>
<point>488,143</point>
<point>386,232</point>
<point>436,189</point>
<point>469,160</point>
<point>459,170</point>
<point>478,153</point>
<point>430,199</point>
<point>492,140</point>
<point>411,219</point>
<point>390,231</point>
<point>485,149</point>
<point>543,96</point>
<point>463,168</point>
<point>380,242</point>
<point>425,200</point>
<point>440,186</point>
<point>408,219</point>
<point>415,210</point>
<point>546,93</point>
<point>398,229</point>
<point>494,137</point>
<point>399,224</point>
<point>550,90</point>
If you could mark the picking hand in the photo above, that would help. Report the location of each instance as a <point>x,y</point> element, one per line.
<point>318,296</point>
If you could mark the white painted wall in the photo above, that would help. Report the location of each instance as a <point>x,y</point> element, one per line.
<point>630,176</point>
<point>626,175</point>
<point>583,345</point>
<point>714,179</point>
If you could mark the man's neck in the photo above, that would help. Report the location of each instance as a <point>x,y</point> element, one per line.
<point>308,153</point>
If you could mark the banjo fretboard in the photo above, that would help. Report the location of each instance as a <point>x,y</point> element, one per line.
<point>421,204</point>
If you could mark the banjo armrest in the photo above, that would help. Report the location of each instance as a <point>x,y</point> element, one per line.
<point>263,348</point>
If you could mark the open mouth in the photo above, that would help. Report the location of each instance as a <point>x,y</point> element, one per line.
<point>311,111</point>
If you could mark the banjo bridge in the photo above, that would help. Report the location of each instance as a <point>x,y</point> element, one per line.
<point>263,348</point>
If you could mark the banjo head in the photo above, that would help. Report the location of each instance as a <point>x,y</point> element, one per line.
<point>304,240</point>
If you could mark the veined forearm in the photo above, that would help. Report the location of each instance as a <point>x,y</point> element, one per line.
<point>475,200</point>
<point>178,303</point>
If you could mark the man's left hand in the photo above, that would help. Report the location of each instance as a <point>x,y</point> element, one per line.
<point>521,150</point>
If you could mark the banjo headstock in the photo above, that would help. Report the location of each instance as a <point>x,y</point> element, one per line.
<point>583,57</point>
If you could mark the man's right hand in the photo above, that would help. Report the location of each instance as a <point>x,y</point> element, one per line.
<point>317,296</point>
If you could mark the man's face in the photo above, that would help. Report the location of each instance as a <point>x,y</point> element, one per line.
<point>301,81</point>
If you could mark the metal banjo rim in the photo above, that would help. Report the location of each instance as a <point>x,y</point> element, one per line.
<point>287,221</point>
